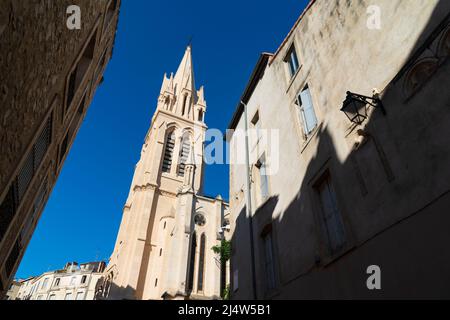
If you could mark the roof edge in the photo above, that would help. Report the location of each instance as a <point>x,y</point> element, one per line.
<point>256,75</point>
<point>310,4</point>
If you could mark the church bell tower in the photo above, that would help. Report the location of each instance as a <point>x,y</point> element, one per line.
<point>151,255</point>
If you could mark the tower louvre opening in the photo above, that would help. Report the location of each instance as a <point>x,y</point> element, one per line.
<point>168,153</point>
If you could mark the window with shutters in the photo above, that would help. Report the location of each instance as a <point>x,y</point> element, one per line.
<point>79,72</point>
<point>333,225</point>
<point>100,65</point>
<point>12,258</point>
<point>8,209</point>
<point>184,154</point>
<point>112,6</point>
<point>168,152</point>
<point>201,263</point>
<point>72,129</point>
<point>306,109</point>
<point>71,89</point>
<point>21,183</point>
<point>37,205</point>
<point>63,149</point>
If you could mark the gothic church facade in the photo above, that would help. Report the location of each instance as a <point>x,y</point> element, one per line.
<point>164,245</point>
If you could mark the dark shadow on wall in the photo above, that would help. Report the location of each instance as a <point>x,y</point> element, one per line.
<point>111,291</point>
<point>390,196</point>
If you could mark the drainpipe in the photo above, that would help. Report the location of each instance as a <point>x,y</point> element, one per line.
<point>249,201</point>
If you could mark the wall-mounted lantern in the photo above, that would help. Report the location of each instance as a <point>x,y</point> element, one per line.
<point>355,106</point>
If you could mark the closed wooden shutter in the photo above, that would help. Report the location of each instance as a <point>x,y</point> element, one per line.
<point>25,176</point>
<point>8,209</point>
<point>12,258</point>
<point>308,113</point>
<point>20,185</point>
<point>331,216</point>
<point>43,143</point>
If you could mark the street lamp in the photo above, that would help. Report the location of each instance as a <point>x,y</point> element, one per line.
<point>355,106</point>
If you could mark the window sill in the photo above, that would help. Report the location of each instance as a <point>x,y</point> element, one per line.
<point>310,137</point>
<point>293,79</point>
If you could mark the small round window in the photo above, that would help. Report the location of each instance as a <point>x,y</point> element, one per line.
<point>200,220</point>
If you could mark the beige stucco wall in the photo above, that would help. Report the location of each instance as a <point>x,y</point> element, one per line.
<point>401,170</point>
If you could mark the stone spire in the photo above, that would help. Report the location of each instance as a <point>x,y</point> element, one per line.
<point>184,77</point>
<point>179,94</point>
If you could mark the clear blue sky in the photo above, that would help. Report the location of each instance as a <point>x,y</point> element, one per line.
<point>82,217</point>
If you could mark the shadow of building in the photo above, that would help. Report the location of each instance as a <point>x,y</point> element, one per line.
<point>384,203</point>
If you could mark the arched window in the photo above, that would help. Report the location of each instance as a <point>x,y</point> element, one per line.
<point>192,262</point>
<point>168,152</point>
<point>201,263</point>
<point>184,154</point>
<point>200,115</point>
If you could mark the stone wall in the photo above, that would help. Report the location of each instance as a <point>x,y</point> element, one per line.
<point>37,54</point>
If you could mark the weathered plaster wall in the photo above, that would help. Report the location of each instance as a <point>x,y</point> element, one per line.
<point>398,172</point>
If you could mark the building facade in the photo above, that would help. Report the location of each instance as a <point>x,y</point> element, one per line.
<point>336,198</point>
<point>48,77</point>
<point>163,248</point>
<point>74,282</point>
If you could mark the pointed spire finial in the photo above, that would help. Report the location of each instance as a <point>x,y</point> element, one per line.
<point>184,77</point>
<point>190,41</point>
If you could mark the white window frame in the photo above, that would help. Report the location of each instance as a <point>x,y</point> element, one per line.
<point>291,62</point>
<point>304,102</point>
